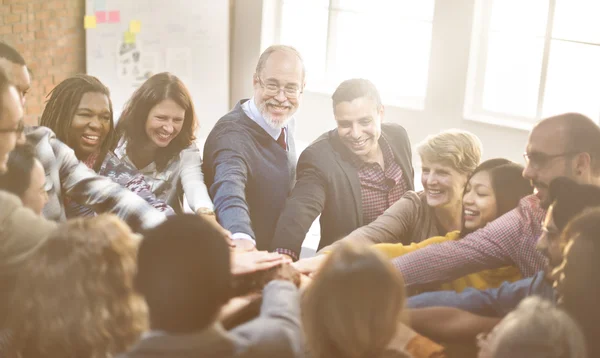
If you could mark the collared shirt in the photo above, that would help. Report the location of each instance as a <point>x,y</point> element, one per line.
<point>250,109</point>
<point>379,188</point>
<point>509,240</point>
<point>494,302</point>
<point>65,175</point>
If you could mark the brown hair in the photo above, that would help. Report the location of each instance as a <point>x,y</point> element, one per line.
<point>75,296</point>
<point>354,305</point>
<point>131,125</point>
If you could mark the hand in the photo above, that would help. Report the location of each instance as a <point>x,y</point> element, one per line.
<point>252,261</point>
<point>310,265</point>
<point>287,272</point>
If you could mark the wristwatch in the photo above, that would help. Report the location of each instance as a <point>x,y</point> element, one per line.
<point>205,211</point>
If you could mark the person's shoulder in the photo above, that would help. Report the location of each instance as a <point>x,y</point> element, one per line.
<point>393,130</point>
<point>36,134</point>
<point>321,149</point>
<point>9,201</point>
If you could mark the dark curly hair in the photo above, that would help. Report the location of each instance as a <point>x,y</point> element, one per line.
<point>75,296</point>
<point>131,125</point>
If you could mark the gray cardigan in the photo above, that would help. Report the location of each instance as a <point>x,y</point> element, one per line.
<point>277,332</point>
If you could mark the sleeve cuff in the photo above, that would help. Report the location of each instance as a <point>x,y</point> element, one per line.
<point>288,252</point>
<point>242,236</point>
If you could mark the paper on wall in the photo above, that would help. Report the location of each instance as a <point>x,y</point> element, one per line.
<point>179,62</point>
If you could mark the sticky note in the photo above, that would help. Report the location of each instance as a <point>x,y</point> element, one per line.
<point>89,22</point>
<point>100,5</point>
<point>135,26</point>
<point>114,16</point>
<point>100,17</point>
<point>129,37</point>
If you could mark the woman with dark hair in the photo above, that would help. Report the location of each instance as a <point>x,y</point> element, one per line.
<point>578,278</point>
<point>25,178</point>
<point>79,112</point>
<point>75,296</point>
<point>156,135</point>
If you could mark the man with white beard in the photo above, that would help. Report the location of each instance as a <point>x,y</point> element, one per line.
<point>249,156</point>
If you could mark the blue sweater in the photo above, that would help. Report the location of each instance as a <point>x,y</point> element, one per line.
<point>248,174</point>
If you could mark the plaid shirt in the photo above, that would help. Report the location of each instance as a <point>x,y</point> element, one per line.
<point>508,240</point>
<point>379,188</point>
<point>65,175</point>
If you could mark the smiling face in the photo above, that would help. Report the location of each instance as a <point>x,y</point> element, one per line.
<point>479,202</point>
<point>90,125</point>
<point>359,126</point>
<point>164,122</point>
<point>283,69</point>
<point>548,158</point>
<point>549,243</point>
<point>443,185</point>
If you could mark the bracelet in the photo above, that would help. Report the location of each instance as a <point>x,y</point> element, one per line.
<point>205,211</point>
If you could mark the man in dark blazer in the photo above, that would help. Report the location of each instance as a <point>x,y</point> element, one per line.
<point>349,175</point>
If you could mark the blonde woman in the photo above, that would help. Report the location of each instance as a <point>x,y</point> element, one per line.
<point>354,308</point>
<point>75,296</point>
<point>448,159</point>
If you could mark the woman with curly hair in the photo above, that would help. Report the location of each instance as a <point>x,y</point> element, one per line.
<point>75,296</point>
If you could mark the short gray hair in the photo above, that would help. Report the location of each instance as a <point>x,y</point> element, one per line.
<point>537,329</point>
<point>457,148</point>
<point>262,60</point>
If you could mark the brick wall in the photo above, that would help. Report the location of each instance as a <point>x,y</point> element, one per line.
<point>50,36</point>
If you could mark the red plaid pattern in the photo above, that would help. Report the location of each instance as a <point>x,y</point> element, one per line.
<point>509,240</point>
<point>380,189</point>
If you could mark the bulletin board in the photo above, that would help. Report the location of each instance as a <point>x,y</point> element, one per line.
<point>127,41</point>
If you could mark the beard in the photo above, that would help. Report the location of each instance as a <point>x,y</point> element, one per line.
<point>271,122</point>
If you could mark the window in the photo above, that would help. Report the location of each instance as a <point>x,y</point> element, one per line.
<point>385,41</point>
<point>533,59</point>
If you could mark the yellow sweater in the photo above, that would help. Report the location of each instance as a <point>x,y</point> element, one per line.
<point>480,280</point>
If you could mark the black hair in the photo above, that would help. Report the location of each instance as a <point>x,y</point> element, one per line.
<point>11,54</point>
<point>354,88</point>
<point>570,199</point>
<point>184,273</point>
<point>20,163</point>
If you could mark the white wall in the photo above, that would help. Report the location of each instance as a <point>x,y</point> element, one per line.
<point>446,87</point>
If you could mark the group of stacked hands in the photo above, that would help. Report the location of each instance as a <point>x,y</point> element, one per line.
<point>468,249</point>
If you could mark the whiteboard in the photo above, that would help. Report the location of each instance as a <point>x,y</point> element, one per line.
<point>189,38</point>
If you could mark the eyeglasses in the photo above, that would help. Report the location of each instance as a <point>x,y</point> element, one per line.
<point>540,160</point>
<point>20,128</point>
<point>272,89</point>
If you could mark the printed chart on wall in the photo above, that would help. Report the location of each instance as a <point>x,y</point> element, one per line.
<point>128,41</point>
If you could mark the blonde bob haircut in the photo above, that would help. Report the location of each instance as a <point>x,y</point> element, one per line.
<point>354,305</point>
<point>456,148</point>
